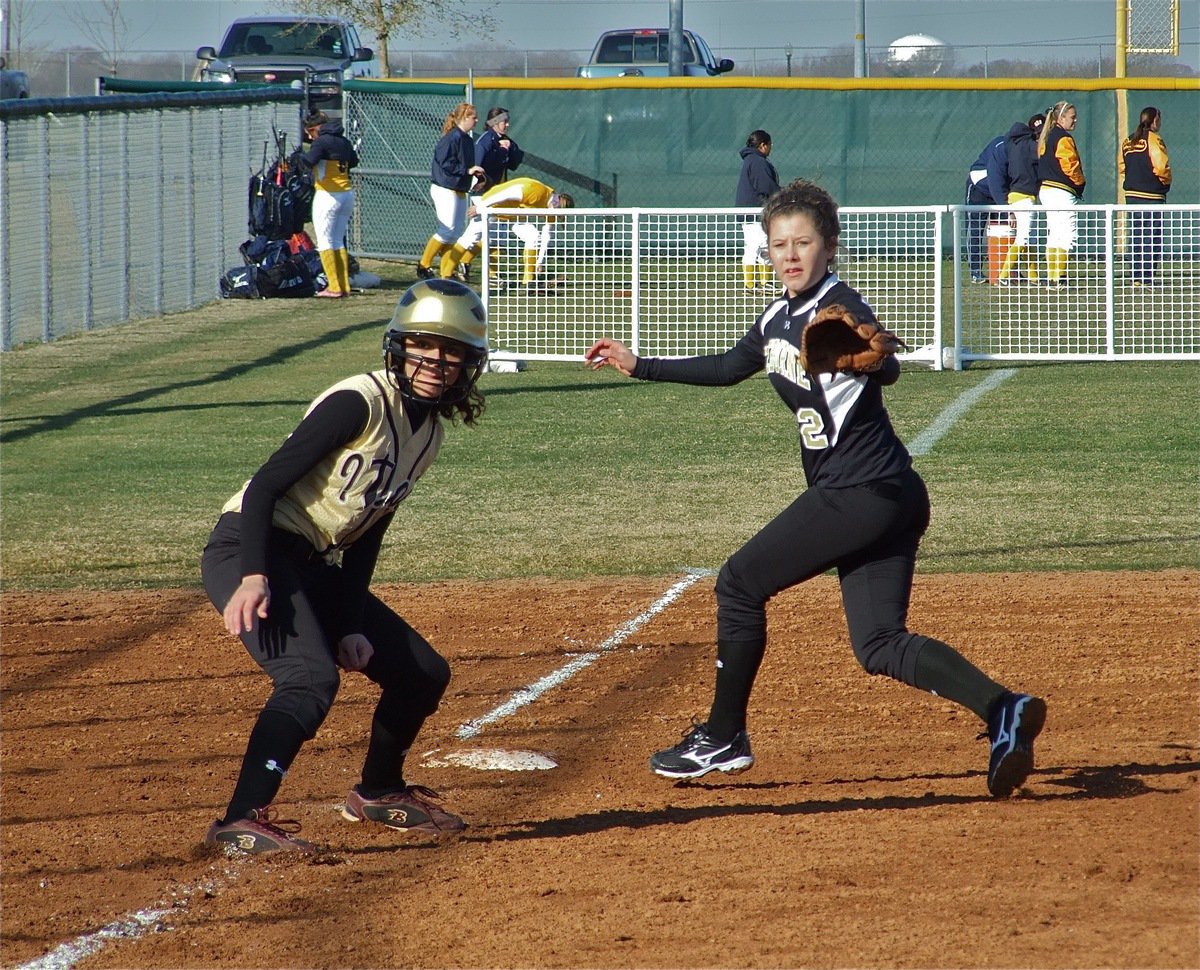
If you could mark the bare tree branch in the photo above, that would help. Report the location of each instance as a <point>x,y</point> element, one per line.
<point>108,30</point>
<point>386,18</point>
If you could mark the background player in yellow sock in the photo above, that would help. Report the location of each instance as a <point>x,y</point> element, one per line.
<point>1022,194</point>
<point>452,175</point>
<point>331,156</point>
<point>519,193</point>
<point>757,182</point>
<point>1060,188</point>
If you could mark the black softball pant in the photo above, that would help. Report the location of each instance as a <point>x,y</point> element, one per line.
<point>870,534</point>
<point>295,644</point>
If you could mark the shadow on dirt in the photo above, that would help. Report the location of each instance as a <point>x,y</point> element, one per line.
<point>1108,782</point>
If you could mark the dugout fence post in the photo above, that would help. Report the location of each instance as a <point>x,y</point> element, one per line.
<point>935,219</point>
<point>956,222</point>
<point>635,245</point>
<point>1110,305</point>
<point>5,309</point>
<point>44,199</point>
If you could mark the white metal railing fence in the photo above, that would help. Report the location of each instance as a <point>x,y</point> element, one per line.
<point>1128,286</point>
<point>676,282</point>
<point>126,210</point>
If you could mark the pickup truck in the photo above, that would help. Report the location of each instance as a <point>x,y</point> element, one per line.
<point>283,50</point>
<point>645,53</point>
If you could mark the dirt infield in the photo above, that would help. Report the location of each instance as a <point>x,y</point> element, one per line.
<point>862,837</point>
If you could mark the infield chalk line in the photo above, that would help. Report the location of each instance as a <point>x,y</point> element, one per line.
<point>923,443</point>
<point>131,926</point>
<point>529,694</point>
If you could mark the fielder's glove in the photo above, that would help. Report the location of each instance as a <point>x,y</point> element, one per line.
<point>836,341</point>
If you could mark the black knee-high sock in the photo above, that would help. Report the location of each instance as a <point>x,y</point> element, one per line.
<point>944,671</point>
<point>383,767</point>
<point>272,747</point>
<point>737,666</point>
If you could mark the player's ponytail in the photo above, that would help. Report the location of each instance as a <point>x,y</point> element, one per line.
<point>1145,123</point>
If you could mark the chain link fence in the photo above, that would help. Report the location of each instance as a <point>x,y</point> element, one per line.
<point>121,207</point>
<point>393,215</point>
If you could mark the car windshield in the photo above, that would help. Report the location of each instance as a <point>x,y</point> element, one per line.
<point>640,47</point>
<point>285,38</point>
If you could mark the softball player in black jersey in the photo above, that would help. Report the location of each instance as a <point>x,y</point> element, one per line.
<point>290,562</point>
<point>863,513</point>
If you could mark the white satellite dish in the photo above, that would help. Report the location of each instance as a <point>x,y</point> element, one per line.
<point>918,55</point>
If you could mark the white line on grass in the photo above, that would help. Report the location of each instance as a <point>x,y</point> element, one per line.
<point>527,695</point>
<point>923,443</point>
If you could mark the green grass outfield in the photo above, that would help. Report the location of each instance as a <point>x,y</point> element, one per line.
<point>118,448</point>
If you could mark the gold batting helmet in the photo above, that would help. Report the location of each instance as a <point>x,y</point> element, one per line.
<point>438,308</point>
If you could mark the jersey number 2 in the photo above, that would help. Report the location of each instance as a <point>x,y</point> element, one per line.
<point>812,429</point>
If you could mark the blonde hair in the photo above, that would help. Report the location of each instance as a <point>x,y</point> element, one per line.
<point>1052,119</point>
<point>454,117</point>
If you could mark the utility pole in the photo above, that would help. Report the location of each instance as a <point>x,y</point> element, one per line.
<point>675,39</point>
<point>860,38</point>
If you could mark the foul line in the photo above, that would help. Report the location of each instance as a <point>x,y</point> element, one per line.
<point>529,694</point>
<point>132,926</point>
<point>923,443</point>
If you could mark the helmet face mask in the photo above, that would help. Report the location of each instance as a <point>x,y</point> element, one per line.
<point>405,361</point>
<point>452,315</point>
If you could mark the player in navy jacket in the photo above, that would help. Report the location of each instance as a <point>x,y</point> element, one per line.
<point>496,152</point>
<point>452,175</point>
<point>863,513</point>
<point>987,184</point>
<point>757,182</point>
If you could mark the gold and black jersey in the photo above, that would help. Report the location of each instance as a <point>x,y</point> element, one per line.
<point>355,485</point>
<point>1145,168</point>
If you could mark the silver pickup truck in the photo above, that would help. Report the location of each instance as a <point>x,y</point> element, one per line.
<point>646,53</point>
<point>324,51</point>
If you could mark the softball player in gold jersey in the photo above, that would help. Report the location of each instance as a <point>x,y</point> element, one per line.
<point>290,561</point>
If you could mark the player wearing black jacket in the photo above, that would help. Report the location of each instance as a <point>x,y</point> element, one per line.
<point>863,513</point>
<point>290,561</point>
<point>1146,178</point>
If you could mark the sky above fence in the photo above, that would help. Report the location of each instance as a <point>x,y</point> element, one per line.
<point>157,25</point>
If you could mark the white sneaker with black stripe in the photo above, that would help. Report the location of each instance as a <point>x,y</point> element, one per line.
<point>699,753</point>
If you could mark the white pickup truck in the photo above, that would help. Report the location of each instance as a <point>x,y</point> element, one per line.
<point>646,53</point>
